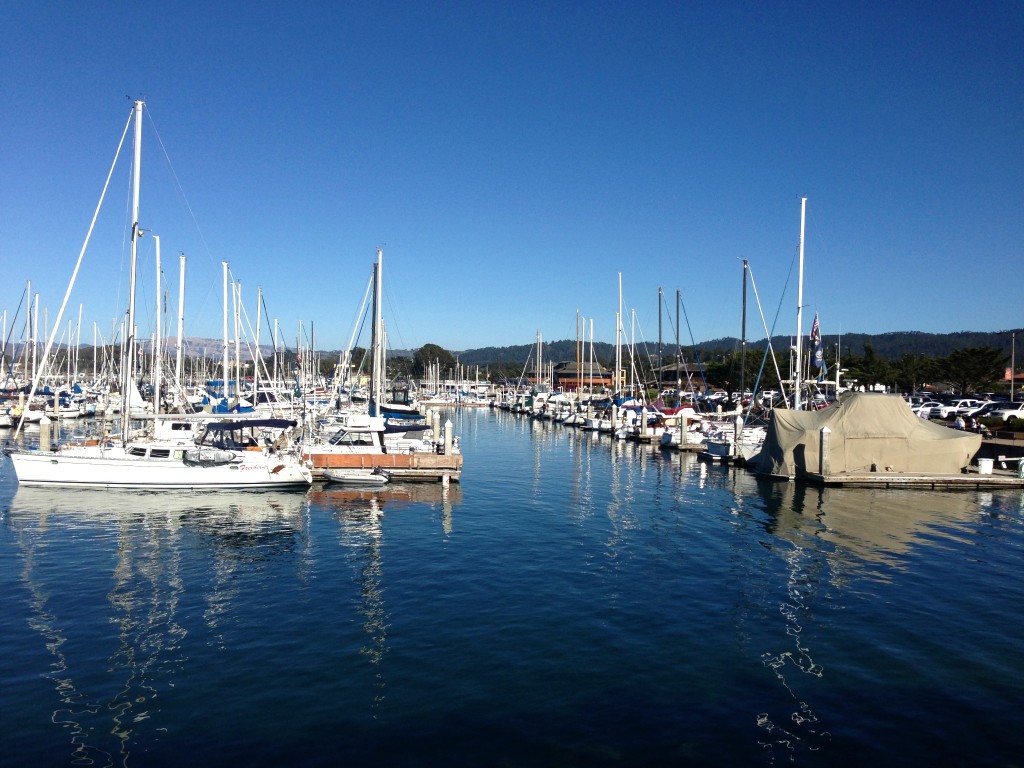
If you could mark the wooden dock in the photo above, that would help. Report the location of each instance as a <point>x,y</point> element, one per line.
<point>418,466</point>
<point>689,447</point>
<point>963,480</point>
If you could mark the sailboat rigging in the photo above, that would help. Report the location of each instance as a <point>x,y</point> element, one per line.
<point>246,454</point>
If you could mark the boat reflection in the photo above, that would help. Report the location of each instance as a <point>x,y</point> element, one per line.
<point>98,505</point>
<point>359,513</point>
<point>334,497</point>
<point>129,559</point>
<point>828,540</point>
<point>866,528</point>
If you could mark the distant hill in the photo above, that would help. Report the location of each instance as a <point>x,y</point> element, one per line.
<point>890,346</point>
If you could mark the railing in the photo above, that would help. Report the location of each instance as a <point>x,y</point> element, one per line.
<point>1017,437</point>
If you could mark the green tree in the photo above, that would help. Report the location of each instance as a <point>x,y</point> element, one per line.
<point>869,369</point>
<point>974,368</point>
<point>399,367</point>
<point>911,371</point>
<point>428,355</point>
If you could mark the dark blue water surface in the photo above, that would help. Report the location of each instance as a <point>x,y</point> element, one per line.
<point>573,602</point>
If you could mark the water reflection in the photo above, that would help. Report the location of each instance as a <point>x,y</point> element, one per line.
<point>335,497</point>
<point>826,538</point>
<point>869,529</point>
<point>360,517</point>
<point>107,687</point>
<point>791,723</point>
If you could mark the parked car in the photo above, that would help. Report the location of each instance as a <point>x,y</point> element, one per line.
<point>986,407</point>
<point>1009,412</point>
<point>925,409</point>
<point>954,408</point>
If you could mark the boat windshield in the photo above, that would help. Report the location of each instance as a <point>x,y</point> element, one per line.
<point>344,437</point>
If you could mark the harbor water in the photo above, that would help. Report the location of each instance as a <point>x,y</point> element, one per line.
<point>574,601</point>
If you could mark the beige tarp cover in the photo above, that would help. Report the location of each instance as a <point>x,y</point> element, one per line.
<point>866,429</point>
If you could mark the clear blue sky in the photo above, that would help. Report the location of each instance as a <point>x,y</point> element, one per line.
<point>513,158</point>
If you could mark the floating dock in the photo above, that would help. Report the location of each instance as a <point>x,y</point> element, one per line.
<point>965,480</point>
<point>419,466</point>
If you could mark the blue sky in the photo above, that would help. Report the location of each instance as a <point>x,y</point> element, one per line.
<point>513,158</point>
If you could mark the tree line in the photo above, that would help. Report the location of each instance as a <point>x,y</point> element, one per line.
<point>962,370</point>
<point>717,365</point>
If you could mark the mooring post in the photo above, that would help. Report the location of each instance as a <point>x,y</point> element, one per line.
<point>44,433</point>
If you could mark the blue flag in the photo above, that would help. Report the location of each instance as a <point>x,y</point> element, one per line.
<point>819,348</point>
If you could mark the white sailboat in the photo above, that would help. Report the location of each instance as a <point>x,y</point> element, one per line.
<point>361,443</point>
<point>145,462</point>
<point>736,440</point>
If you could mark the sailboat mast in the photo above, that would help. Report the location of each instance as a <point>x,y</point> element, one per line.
<point>224,320</point>
<point>35,338</point>
<point>579,358</point>
<point>540,361</point>
<point>275,352</point>
<point>157,338</point>
<point>129,363</point>
<point>257,356</point>
<point>743,335</point>
<point>590,373</point>
<point>236,299</point>
<point>178,374</point>
<point>377,362</point>
<point>679,353</point>
<point>78,338</point>
<point>618,340</point>
<point>798,383</point>
<point>661,351</point>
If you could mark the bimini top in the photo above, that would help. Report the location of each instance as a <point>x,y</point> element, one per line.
<point>228,426</point>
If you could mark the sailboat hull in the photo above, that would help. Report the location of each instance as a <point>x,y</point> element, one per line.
<point>113,468</point>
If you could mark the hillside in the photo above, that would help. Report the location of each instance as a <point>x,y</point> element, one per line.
<point>889,346</point>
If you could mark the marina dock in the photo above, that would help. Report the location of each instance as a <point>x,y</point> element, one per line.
<point>966,480</point>
<point>418,466</point>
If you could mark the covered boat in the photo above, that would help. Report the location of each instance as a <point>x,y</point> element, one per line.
<point>866,432</point>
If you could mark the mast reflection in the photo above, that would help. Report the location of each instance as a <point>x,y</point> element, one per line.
<point>359,513</point>
<point>108,686</point>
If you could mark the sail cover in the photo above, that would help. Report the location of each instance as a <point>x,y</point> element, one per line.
<point>868,432</point>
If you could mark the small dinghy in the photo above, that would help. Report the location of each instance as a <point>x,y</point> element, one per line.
<point>208,457</point>
<point>375,476</point>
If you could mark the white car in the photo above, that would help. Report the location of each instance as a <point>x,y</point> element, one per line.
<point>924,410</point>
<point>952,409</point>
<point>984,408</point>
<point>1009,412</point>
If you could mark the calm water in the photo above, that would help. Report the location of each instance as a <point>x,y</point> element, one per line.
<point>571,603</point>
